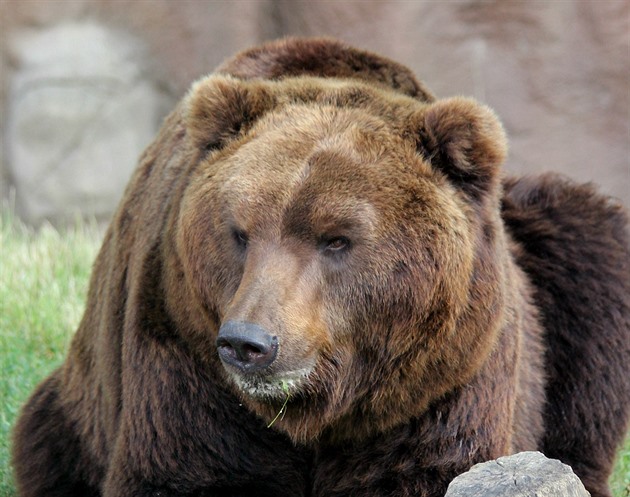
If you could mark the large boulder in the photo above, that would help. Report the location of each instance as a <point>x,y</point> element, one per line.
<point>524,474</point>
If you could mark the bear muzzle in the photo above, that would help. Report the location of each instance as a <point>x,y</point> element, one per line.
<point>251,357</point>
<point>246,346</point>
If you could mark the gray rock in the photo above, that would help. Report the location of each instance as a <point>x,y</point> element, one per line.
<point>527,474</point>
<point>80,113</point>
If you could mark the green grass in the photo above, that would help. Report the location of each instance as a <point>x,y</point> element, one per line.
<point>43,282</point>
<point>620,479</point>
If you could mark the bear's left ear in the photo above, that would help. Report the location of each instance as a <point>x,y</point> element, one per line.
<point>465,140</point>
<point>220,108</point>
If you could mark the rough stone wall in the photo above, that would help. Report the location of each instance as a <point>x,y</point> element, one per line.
<point>84,84</point>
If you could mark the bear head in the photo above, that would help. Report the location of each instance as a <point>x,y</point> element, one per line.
<point>341,243</point>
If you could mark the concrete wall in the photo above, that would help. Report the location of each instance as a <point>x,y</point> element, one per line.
<point>85,83</point>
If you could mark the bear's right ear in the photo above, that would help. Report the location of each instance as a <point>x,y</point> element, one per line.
<point>220,108</point>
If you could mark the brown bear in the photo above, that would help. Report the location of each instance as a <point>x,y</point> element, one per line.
<point>319,283</point>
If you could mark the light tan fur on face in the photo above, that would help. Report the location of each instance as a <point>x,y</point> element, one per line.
<point>321,165</point>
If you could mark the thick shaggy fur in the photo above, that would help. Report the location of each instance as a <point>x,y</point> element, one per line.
<point>428,315</point>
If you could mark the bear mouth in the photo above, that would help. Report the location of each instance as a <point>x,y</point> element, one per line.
<point>274,388</point>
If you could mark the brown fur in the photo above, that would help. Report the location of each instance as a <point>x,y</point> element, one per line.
<point>322,193</point>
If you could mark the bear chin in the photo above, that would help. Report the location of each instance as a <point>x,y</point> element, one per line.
<point>298,402</point>
<point>271,388</point>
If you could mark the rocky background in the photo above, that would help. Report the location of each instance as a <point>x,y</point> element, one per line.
<point>86,83</point>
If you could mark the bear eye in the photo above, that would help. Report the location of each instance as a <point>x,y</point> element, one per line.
<point>240,237</point>
<point>336,244</point>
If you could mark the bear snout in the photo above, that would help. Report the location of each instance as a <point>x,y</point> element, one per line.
<point>246,346</point>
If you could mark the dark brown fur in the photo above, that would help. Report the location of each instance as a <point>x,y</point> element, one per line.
<point>435,335</point>
<point>573,238</point>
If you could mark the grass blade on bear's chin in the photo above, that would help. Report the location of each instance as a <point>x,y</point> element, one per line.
<point>281,412</point>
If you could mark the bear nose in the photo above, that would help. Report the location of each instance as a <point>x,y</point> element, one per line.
<point>247,346</point>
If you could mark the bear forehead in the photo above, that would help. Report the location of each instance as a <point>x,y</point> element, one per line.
<point>333,149</point>
<point>301,138</point>
<point>219,109</point>
<point>322,154</point>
